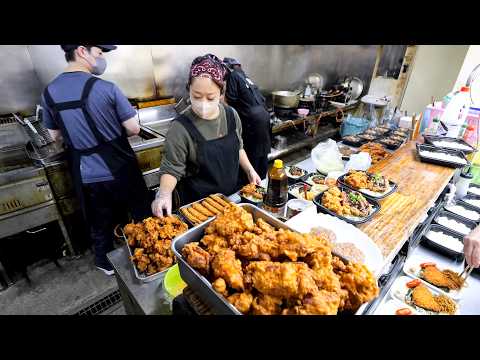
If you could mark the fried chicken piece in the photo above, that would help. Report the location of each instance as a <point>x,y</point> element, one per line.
<point>140,259</point>
<point>266,305</point>
<point>226,266</point>
<point>358,281</point>
<point>295,245</point>
<point>242,301</point>
<point>444,279</point>
<point>284,280</point>
<point>220,286</point>
<point>233,220</point>
<point>198,258</point>
<point>254,247</point>
<point>214,243</point>
<point>321,302</point>
<point>422,297</point>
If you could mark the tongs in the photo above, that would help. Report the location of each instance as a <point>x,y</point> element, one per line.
<point>468,269</point>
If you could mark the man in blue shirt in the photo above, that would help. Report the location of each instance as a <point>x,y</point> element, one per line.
<point>94,119</point>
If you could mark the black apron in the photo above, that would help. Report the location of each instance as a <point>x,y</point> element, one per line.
<point>117,154</point>
<point>255,123</point>
<point>218,163</point>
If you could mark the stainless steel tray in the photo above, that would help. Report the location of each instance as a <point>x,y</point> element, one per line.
<point>196,202</point>
<point>144,278</point>
<point>199,283</point>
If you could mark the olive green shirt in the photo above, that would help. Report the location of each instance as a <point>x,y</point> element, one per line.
<point>180,149</point>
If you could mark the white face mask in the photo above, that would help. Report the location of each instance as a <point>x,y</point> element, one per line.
<point>205,109</point>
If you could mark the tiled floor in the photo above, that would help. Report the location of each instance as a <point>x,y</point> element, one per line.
<point>54,290</point>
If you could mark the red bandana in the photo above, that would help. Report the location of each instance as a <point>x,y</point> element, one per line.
<point>209,69</point>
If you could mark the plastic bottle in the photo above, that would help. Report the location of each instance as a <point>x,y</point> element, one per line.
<point>462,131</point>
<point>277,189</point>
<point>456,112</point>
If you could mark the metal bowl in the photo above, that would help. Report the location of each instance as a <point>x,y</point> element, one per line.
<point>285,99</point>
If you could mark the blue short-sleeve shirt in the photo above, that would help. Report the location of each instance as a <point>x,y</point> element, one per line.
<point>109,108</point>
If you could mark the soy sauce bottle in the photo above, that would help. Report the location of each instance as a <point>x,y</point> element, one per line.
<point>277,189</point>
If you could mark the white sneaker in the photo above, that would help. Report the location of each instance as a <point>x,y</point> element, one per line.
<point>107,272</point>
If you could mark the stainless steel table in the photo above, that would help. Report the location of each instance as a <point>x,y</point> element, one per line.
<point>138,298</point>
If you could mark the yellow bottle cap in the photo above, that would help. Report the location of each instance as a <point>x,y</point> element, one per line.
<point>278,164</point>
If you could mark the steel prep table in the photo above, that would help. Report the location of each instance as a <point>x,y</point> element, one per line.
<point>150,298</point>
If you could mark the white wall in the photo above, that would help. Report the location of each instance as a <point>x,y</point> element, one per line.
<point>435,71</point>
<point>471,60</point>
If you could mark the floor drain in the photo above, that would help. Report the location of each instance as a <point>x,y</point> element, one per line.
<point>101,305</point>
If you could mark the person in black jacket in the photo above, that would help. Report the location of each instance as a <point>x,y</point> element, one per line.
<point>244,96</point>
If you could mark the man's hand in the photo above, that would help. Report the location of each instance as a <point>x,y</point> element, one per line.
<point>472,247</point>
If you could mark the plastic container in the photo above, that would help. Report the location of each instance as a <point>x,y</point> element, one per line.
<point>173,282</point>
<point>456,111</point>
<point>462,185</point>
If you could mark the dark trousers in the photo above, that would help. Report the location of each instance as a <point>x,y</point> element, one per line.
<point>107,204</point>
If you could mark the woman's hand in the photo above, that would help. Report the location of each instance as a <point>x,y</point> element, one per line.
<point>472,247</point>
<point>162,204</point>
<point>253,177</point>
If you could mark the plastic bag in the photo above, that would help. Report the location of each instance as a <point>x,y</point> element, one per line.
<point>327,157</point>
<point>361,161</point>
<point>371,115</point>
<point>353,126</point>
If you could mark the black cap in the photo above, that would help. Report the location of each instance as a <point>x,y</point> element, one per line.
<point>105,48</point>
<point>230,61</point>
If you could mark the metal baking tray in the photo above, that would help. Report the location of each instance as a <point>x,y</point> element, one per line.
<point>139,276</point>
<point>376,208</point>
<point>442,249</point>
<point>452,216</point>
<point>187,220</point>
<point>441,162</point>
<point>199,283</point>
<point>393,186</point>
<point>429,139</point>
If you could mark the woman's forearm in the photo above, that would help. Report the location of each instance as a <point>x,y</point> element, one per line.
<point>244,162</point>
<point>167,184</point>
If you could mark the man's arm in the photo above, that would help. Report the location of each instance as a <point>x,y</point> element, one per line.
<point>132,126</point>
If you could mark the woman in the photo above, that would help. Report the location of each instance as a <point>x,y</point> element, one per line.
<point>204,148</point>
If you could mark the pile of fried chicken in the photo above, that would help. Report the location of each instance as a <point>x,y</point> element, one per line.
<point>151,242</point>
<point>264,271</point>
<point>377,152</point>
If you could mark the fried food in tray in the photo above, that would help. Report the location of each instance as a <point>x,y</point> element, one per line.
<point>151,242</point>
<point>361,180</point>
<point>202,210</point>
<point>421,296</point>
<point>252,192</point>
<point>346,203</point>
<point>261,270</point>
<point>446,280</point>
<point>377,152</point>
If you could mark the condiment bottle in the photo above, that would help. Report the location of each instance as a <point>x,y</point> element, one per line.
<point>277,189</point>
<point>463,184</point>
